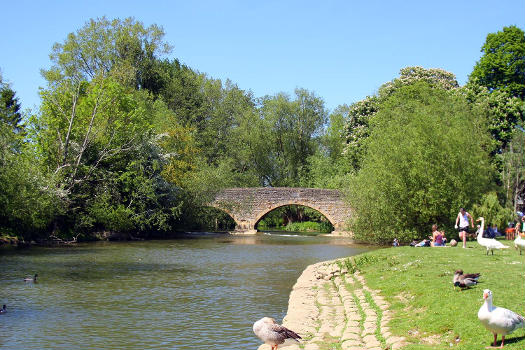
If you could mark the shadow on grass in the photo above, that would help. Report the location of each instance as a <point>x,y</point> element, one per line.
<point>513,340</point>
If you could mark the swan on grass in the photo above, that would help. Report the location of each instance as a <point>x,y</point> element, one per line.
<point>498,320</point>
<point>519,243</point>
<point>489,243</point>
<point>273,334</point>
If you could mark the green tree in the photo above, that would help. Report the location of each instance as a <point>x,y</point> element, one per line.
<point>295,126</point>
<point>98,139</point>
<point>358,115</point>
<point>329,167</point>
<point>513,170</point>
<point>490,208</point>
<point>425,158</point>
<point>10,108</point>
<point>27,200</point>
<point>124,48</point>
<point>501,111</point>
<point>502,65</point>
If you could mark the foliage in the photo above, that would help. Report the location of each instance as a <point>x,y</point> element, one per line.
<point>97,138</point>
<point>359,114</point>
<point>127,140</point>
<point>294,126</point>
<point>28,201</point>
<point>122,48</point>
<point>502,66</point>
<point>501,111</point>
<point>295,218</point>
<point>513,173</point>
<point>435,163</point>
<point>309,226</point>
<point>490,208</point>
<point>10,108</point>
<point>435,77</point>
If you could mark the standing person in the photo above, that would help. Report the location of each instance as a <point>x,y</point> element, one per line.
<point>463,219</point>
<point>520,226</point>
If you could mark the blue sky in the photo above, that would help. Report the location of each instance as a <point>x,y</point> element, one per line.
<point>341,50</point>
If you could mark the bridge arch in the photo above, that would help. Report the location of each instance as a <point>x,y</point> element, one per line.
<point>248,205</point>
<point>262,213</point>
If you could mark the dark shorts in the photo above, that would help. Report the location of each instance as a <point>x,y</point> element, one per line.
<point>461,229</point>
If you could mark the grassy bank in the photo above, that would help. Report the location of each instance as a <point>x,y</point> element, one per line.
<point>417,282</point>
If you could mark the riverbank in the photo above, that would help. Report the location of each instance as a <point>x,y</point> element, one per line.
<point>334,309</point>
<point>403,298</point>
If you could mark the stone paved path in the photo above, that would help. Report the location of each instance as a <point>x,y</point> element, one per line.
<point>334,310</point>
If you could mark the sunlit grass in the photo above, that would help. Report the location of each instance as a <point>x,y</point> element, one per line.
<point>428,311</point>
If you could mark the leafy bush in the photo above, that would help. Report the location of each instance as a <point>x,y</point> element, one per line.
<point>425,159</point>
<point>309,226</point>
<point>491,209</point>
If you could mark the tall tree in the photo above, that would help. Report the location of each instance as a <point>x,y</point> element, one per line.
<point>425,158</point>
<point>295,126</point>
<point>10,108</point>
<point>513,170</point>
<point>502,65</point>
<point>123,48</point>
<point>360,113</point>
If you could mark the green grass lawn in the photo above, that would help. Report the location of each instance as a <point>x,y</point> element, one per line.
<point>428,312</point>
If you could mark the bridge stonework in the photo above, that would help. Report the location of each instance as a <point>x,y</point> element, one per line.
<point>247,206</point>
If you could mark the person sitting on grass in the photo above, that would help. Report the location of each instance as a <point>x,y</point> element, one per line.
<point>423,243</point>
<point>489,232</point>
<point>438,237</point>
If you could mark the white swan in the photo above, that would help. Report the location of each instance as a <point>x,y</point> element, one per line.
<point>273,334</point>
<point>519,243</point>
<point>489,243</point>
<point>498,320</point>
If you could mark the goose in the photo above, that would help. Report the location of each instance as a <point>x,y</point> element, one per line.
<point>465,280</point>
<point>3,310</point>
<point>519,243</point>
<point>273,334</point>
<point>31,279</point>
<point>498,320</point>
<point>489,243</point>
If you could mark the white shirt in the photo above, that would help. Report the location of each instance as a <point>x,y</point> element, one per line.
<point>463,220</point>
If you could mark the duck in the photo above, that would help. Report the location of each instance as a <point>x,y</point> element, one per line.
<point>31,279</point>
<point>3,310</point>
<point>519,243</point>
<point>464,281</point>
<point>489,243</point>
<point>498,320</point>
<point>274,334</point>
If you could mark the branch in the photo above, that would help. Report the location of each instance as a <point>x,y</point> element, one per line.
<point>73,114</point>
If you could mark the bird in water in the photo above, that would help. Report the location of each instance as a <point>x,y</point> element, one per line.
<point>274,334</point>
<point>3,310</point>
<point>498,320</point>
<point>31,279</point>
<point>463,281</point>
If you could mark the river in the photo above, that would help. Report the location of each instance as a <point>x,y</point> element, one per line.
<point>195,293</point>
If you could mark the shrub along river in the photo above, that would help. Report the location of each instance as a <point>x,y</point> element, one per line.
<point>201,292</point>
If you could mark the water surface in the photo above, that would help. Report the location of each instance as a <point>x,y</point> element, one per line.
<point>196,293</point>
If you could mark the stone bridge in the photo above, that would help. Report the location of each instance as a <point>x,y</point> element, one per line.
<point>247,206</point>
